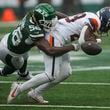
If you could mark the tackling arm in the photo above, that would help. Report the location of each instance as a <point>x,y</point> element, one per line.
<point>43,45</point>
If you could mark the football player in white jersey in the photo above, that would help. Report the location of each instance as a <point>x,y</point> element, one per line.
<point>57,69</point>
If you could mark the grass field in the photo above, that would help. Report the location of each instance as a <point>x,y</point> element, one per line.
<point>88,88</point>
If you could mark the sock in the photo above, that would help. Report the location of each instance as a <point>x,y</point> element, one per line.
<point>25,74</point>
<point>35,81</point>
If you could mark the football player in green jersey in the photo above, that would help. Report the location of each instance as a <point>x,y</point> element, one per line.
<point>30,32</point>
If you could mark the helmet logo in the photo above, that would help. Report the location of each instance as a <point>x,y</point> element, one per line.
<point>43,12</point>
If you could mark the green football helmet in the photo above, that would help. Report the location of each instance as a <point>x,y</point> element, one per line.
<point>45,15</point>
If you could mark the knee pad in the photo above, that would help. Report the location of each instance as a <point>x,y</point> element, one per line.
<point>17,62</point>
<point>50,77</point>
<point>66,68</point>
<point>64,73</point>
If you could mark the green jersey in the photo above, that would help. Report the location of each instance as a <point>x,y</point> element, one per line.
<point>22,38</point>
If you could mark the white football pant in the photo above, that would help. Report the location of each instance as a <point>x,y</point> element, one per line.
<point>56,70</point>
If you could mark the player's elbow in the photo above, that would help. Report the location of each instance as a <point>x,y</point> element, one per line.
<point>50,52</point>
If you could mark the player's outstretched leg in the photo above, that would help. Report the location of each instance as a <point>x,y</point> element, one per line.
<point>37,80</point>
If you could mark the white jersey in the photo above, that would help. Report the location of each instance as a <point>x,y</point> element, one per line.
<point>73,25</point>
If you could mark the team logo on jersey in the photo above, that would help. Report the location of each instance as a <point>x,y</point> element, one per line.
<point>43,12</point>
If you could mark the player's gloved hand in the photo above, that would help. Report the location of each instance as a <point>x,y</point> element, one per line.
<point>76,46</point>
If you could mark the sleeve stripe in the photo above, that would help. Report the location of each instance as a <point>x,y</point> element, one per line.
<point>94,23</point>
<point>51,42</point>
<point>35,36</point>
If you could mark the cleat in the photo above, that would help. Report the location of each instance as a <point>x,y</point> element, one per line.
<point>37,97</point>
<point>14,92</point>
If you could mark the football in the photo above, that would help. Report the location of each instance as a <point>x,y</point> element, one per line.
<point>91,48</point>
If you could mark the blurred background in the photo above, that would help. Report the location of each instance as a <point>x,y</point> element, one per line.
<point>12,10</point>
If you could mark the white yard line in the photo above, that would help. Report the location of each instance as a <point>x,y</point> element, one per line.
<point>85,83</point>
<point>69,83</point>
<point>55,106</point>
<point>81,68</point>
<point>92,68</point>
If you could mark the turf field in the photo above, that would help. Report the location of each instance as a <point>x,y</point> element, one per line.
<point>88,88</point>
